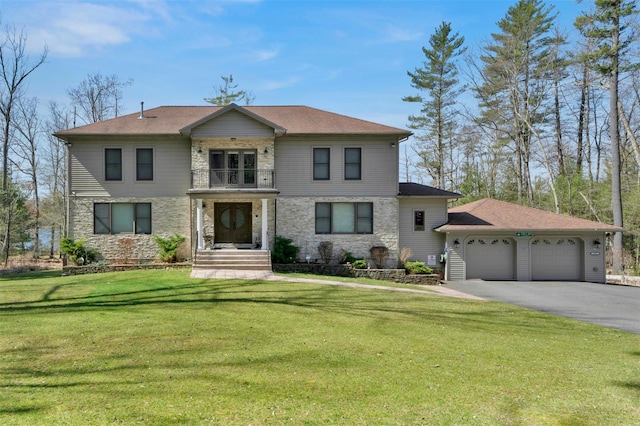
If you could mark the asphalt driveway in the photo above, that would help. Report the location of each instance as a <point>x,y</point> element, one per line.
<point>612,306</point>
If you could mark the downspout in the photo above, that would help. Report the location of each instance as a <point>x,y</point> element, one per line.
<point>67,191</point>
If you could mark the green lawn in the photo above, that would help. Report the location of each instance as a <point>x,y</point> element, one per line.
<point>158,348</point>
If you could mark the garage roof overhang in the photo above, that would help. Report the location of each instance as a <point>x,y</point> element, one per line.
<point>494,216</point>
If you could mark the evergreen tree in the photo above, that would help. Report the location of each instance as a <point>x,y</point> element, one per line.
<point>438,79</point>
<point>515,73</point>
<point>227,94</point>
<point>606,27</point>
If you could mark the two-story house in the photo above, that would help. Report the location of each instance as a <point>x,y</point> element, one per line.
<point>236,177</point>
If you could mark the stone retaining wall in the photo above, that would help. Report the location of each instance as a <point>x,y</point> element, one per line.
<point>394,275</point>
<point>97,269</point>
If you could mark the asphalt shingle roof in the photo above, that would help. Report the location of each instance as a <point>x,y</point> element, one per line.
<point>494,215</point>
<point>416,189</point>
<point>168,120</point>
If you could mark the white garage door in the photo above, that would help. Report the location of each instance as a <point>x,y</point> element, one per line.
<point>556,259</point>
<point>490,258</point>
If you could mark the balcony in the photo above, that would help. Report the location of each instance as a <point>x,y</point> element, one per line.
<point>233,179</point>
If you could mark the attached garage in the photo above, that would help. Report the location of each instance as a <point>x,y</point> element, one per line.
<point>482,254</point>
<point>495,240</point>
<point>557,259</point>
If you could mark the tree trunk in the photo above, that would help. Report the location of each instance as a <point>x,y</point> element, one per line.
<point>616,190</point>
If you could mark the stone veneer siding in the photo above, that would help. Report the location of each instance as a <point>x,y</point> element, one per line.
<point>296,220</point>
<point>201,161</point>
<point>169,215</point>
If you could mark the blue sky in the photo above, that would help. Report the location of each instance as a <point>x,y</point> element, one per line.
<point>349,57</point>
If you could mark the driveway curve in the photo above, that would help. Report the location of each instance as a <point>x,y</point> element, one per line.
<point>613,306</point>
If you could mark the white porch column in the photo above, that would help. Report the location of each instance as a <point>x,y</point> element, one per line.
<point>199,223</point>
<point>264,243</point>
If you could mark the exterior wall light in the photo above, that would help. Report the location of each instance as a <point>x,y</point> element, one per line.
<point>456,243</point>
<point>596,243</point>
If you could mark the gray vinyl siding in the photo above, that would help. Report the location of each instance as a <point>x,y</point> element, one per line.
<point>171,168</point>
<point>427,242</point>
<point>523,256</point>
<point>232,124</point>
<point>84,168</point>
<point>594,259</point>
<point>294,166</point>
<point>456,269</point>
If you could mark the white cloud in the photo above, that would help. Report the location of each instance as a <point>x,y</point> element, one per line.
<point>74,29</point>
<point>262,55</point>
<point>394,33</point>
<point>279,84</point>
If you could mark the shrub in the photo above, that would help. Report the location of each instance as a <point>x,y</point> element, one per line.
<point>417,268</point>
<point>360,264</point>
<point>284,251</point>
<point>77,252</point>
<point>346,257</point>
<point>169,247</point>
<point>405,254</point>
<point>379,255</point>
<point>125,246</point>
<point>325,248</point>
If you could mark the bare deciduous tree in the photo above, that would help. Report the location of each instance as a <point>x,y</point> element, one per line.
<point>28,131</point>
<point>15,68</point>
<point>98,97</point>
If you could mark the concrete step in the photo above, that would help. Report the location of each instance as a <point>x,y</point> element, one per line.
<point>233,259</point>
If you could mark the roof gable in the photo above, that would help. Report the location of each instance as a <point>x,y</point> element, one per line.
<point>494,215</point>
<point>232,107</point>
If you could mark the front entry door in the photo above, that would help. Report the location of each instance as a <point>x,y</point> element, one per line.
<point>233,223</point>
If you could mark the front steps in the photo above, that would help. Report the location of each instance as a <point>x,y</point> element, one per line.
<point>233,259</point>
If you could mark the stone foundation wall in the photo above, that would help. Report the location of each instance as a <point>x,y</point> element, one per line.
<point>169,215</point>
<point>296,220</point>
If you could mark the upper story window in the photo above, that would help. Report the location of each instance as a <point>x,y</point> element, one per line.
<point>352,163</point>
<point>144,164</point>
<point>321,162</point>
<point>113,164</point>
<point>233,167</point>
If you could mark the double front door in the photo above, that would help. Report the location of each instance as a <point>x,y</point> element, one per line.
<point>233,168</point>
<point>233,223</point>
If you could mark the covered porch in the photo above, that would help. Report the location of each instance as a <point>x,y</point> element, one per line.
<point>224,220</point>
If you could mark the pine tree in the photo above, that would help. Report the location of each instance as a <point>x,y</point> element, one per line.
<point>227,94</point>
<point>517,62</point>
<point>606,27</point>
<point>438,79</point>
